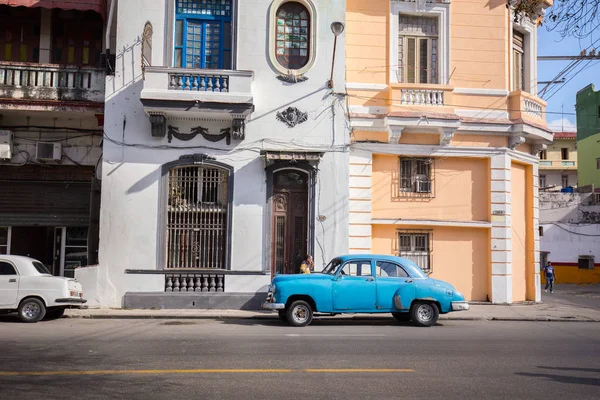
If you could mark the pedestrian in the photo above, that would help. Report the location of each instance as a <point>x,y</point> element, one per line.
<point>307,265</point>
<point>549,271</point>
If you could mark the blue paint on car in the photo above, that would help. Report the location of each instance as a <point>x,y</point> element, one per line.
<point>364,283</point>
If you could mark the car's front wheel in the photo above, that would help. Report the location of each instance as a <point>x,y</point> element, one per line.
<point>31,310</point>
<point>424,313</point>
<point>55,313</point>
<point>401,316</point>
<point>300,313</point>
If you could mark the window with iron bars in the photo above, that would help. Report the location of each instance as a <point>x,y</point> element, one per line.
<point>416,246</point>
<point>197,220</point>
<point>416,177</point>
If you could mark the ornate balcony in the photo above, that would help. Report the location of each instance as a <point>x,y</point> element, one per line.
<point>527,107</point>
<point>435,98</point>
<point>24,83</point>
<point>197,93</point>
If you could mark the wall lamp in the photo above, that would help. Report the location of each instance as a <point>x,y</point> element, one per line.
<point>337,28</point>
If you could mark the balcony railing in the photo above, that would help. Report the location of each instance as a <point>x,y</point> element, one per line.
<point>421,95</point>
<point>25,81</point>
<point>523,105</point>
<point>182,84</point>
<point>558,164</point>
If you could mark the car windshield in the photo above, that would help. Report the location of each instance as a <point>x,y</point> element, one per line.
<point>41,268</point>
<point>332,266</point>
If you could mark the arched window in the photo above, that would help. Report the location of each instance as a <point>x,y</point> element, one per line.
<point>198,215</point>
<point>292,46</point>
<point>146,46</point>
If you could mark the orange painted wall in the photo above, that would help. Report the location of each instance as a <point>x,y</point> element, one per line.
<point>479,44</point>
<point>367,42</point>
<point>519,231</point>
<point>420,138</point>
<point>479,140</point>
<point>572,274</point>
<point>459,184</point>
<point>469,273</point>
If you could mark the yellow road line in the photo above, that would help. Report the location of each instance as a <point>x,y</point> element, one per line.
<point>197,371</point>
<point>365,370</point>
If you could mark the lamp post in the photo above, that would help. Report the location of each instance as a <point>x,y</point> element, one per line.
<point>337,28</point>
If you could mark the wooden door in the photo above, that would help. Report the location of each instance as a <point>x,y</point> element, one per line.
<point>290,221</point>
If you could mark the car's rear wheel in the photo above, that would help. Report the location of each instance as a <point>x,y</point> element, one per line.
<point>55,313</point>
<point>300,313</point>
<point>282,314</point>
<point>31,310</point>
<point>424,313</point>
<point>401,316</point>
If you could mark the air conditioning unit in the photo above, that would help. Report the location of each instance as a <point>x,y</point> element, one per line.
<point>6,145</point>
<point>48,151</point>
<point>423,186</point>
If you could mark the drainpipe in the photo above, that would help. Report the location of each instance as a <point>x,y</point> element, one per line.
<point>108,29</point>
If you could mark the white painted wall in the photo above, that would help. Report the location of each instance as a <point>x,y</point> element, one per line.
<point>130,188</point>
<point>566,242</point>
<point>554,178</point>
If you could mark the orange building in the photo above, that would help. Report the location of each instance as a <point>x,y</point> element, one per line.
<point>446,131</point>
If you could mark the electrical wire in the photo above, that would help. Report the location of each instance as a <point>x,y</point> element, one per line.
<point>575,233</point>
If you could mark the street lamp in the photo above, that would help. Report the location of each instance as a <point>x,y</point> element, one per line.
<point>337,28</point>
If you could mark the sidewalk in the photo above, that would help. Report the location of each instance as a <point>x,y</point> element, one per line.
<point>564,305</point>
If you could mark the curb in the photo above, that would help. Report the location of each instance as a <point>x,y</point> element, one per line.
<point>341,319</point>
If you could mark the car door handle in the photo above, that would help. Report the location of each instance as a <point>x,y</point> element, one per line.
<point>371,279</point>
<point>409,281</point>
<point>12,280</point>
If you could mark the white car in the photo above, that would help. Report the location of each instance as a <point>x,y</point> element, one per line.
<point>27,287</point>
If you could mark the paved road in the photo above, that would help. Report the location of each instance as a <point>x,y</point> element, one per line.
<point>585,296</point>
<point>249,359</point>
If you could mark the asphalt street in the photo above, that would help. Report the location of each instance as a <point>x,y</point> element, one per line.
<point>251,359</point>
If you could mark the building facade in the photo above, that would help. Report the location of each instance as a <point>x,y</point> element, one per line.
<point>51,115</point>
<point>446,131</point>
<point>225,159</point>
<point>588,136</point>
<point>558,163</point>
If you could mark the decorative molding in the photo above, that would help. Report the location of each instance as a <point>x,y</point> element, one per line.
<point>291,77</point>
<point>197,157</point>
<point>431,222</point>
<point>538,147</point>
<point>482,92</point>
<point>394,134</point>
<point>366,86</point>
<point>158,121</point>
<point>292,116</point>
<point>446,136</point>
<point>224,134</point>
<point>514,141</point>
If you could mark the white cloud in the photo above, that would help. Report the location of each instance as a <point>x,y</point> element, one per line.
<point>562,125</point>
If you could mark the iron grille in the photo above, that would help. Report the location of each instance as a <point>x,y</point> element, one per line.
<point>416,246</point>
<point>417,177</point>
<point>197,217</point>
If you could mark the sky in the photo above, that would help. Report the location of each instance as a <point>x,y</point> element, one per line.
<point>551,43</point>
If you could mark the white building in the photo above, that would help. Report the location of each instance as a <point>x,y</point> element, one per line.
<point>225,158</point>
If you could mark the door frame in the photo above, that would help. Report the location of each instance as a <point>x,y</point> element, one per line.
<point>59,251</point>
<point>311,172</point>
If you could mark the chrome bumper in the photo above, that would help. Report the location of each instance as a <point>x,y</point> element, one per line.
<point>273,306</point>
<point>460,306</point>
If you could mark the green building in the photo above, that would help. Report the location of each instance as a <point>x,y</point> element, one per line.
<point>588,137</point>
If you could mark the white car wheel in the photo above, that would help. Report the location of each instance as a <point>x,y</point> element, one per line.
<point>31,310</point>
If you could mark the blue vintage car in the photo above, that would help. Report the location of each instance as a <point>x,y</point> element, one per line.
<point>364,284</point>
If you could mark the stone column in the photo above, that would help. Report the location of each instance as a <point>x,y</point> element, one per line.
<point>361,183</point>
<point>501,238</point>
<point>536,232</point>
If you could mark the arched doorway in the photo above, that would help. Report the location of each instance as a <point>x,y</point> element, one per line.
<point>290,220</point>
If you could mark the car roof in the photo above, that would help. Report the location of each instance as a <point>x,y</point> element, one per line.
<point>24,264</point>
<point>383,257</point>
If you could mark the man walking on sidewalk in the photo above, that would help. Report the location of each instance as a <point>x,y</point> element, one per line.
<point>549,271</point>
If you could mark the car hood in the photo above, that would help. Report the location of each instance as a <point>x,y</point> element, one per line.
<point>300,277</point>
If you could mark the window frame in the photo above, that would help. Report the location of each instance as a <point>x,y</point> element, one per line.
<point>543,155</point>
<point>197,160</point>
<point>564,179</point>
<point>418,37</point>
<point>413,233</point>
<point>439,10</point>
<point>414,169</point>
<point>529,72</point>
<point>313,37</point>
<point>203,20</point>
<point>8,240</point>
<point>398,267</point>
<point>564,153</point>
<point>356,261</point>
<point>542,179</point>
